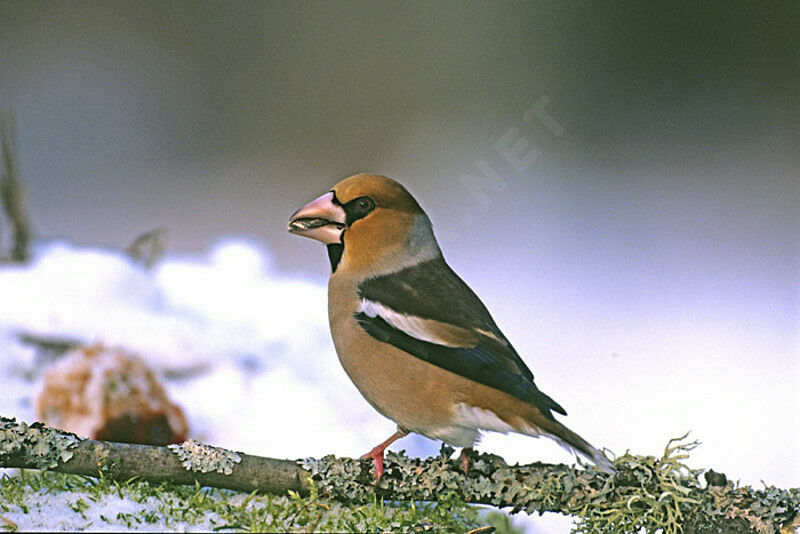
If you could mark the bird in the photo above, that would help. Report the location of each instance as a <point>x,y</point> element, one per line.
<point>412,336</point>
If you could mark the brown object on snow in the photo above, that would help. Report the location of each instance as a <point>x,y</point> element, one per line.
<point>107,394</point>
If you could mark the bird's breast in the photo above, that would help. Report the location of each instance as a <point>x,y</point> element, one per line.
<point>415,394</point>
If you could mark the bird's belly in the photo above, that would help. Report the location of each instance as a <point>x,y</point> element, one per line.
<point>418,396</point>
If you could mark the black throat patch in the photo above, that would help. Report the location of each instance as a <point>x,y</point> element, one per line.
<point>335,251</point>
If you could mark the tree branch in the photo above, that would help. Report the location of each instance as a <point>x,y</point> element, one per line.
<point>40,447</point>
<point>646,492</point>
<point>11,195</point>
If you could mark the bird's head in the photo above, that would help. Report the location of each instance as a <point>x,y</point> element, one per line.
<point>370,223</point>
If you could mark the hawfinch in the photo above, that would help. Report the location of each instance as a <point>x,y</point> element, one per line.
<point>413,337</point>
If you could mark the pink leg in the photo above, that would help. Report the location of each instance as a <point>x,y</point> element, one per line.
<point>377,453</point>
<point>464,458</point>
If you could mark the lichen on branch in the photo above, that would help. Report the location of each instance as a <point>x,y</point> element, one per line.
<point>647,493</point>
<point>36,445</point>
<point>204,458</point>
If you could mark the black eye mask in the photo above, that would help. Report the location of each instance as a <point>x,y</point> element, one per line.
<point>358,208</point>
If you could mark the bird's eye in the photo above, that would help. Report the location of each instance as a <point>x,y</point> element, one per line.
<point>364,205</point>
<point>358,208</point>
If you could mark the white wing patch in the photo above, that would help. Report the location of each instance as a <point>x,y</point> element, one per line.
<point>424,329</point>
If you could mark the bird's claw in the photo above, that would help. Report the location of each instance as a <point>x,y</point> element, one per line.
<point>376,455</point>
<point>464,459</point>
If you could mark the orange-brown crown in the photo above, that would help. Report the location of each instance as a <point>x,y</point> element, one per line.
<point>387,193</point>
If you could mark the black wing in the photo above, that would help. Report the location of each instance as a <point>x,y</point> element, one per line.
<point>432,291</point>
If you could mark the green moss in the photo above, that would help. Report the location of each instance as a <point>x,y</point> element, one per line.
<point>664,495</point>
<point>165,506</point>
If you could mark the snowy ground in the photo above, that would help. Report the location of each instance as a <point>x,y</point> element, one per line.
<point>252,364</point>
<point>81,511</point>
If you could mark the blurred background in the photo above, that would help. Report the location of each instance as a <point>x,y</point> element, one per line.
<point>619,184</point>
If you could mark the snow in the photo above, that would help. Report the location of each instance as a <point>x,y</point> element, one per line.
<point>121,511</point>
<point>56,512</point>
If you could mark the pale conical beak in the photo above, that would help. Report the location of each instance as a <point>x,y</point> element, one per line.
<point>321,219</point>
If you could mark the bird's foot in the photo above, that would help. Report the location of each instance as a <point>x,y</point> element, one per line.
<point>464,459</point>
<point>376,455</point>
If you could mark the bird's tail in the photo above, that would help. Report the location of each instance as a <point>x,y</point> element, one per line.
<point>574,443</point>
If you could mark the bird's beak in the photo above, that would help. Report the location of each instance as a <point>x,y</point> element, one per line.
<point>321,219</point>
